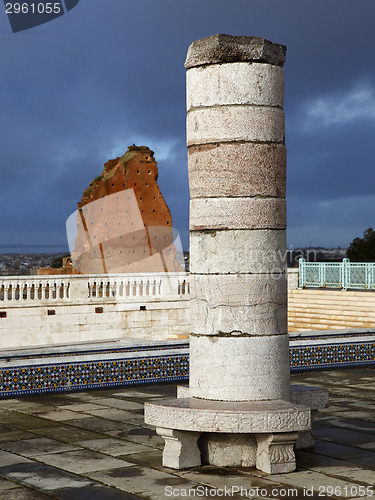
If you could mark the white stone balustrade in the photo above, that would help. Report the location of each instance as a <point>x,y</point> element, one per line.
<point>54,310</point>
<point>16,290</point>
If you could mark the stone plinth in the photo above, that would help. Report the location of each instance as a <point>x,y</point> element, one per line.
<point>314,398</point>
<point>273,424</point>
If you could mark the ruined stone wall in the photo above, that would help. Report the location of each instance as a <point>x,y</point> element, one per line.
<point>124,224</point>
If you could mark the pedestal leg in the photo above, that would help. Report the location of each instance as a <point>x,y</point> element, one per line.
<point>275,452</point>
<point>180,450</point>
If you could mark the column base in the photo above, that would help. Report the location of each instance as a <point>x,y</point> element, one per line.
<point>244,434</point>
<point>313,397</point>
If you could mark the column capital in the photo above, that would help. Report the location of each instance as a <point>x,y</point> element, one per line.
<point>220,48</point>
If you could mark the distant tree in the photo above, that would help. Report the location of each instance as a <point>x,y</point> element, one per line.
<point>58,261</point>
<point>363,249</point>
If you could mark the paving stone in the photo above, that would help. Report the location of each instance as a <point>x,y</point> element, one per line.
<point>98,424</point>
<point>114,447</point>
<point>15,435</point>
<point>94,493</point>
<point>141,436</point>
<point>219,477</point>
<point>20,405</point>
<point>357,474</point>
<point>362,421</point>
<point>68,434</point>
<point>367,446</point>
<point>25,494</point>
<point>60,415</point>
<point>137,394</point>
<point>338,451</point>
<point>42,477</point>
<point>117,415</point>
<point>38,446</point>
<point>22,421</point>
<point>141,481</point>
<point>311,479</point>
<point>366,460</point>
<point>81,395</point>
<point>6,485</point>
<point>80,407</point>
<point>7,458</point>
<point>311,460</point>
<point>150,459</point>
<point>342,436</point>
<point>82,461</point>
<point>120,404</point>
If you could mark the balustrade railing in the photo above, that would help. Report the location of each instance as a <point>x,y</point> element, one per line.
<point>346,275</point>
<point>18,290</point>
<point>25,289</point>
<point>123,287</point>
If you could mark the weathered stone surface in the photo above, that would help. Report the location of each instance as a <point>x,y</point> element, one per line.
<point>222,48</point>
<point>237,213</point>
<point>275,454</point>
<point>235,305</point>
<point>231,170</point>
<point>238,251</point>
<point>236,83</point>
<point>239,368</point>
<point>123,219</point>
<point>181,450</point>
<point>228,450</point>
<point>313,397</point>
<point>198,415</point>
<point>235,123</point>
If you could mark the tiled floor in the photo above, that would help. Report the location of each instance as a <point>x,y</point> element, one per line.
<point>95,446</point>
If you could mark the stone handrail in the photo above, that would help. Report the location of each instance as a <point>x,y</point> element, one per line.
<point>17,290</point>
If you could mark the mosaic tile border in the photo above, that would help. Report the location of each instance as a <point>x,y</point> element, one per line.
<point>323,356</point>
<point>138,369</point>
<point>16,381</point>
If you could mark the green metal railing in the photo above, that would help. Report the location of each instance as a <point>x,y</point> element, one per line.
<point>346,275</point>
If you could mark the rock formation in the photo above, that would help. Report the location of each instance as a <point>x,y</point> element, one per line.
<point>123,222</point>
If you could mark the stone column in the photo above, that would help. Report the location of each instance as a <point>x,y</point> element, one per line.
<point>237,175</point>
<point>238,401</point>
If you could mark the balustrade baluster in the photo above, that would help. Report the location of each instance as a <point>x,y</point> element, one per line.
<point>12,291</point>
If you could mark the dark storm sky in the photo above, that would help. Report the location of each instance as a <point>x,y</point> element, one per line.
<point>78,90</point>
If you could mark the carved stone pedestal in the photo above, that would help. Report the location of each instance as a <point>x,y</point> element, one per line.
<point>313,397</point>
<point>260,433</point>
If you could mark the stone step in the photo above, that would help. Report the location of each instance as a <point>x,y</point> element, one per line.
<point>309,310</point>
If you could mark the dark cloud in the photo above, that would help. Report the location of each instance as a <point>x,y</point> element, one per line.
<point>78,90</point>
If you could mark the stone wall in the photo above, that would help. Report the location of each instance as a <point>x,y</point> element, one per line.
<point>54,310</point>
<point>123,222</point>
